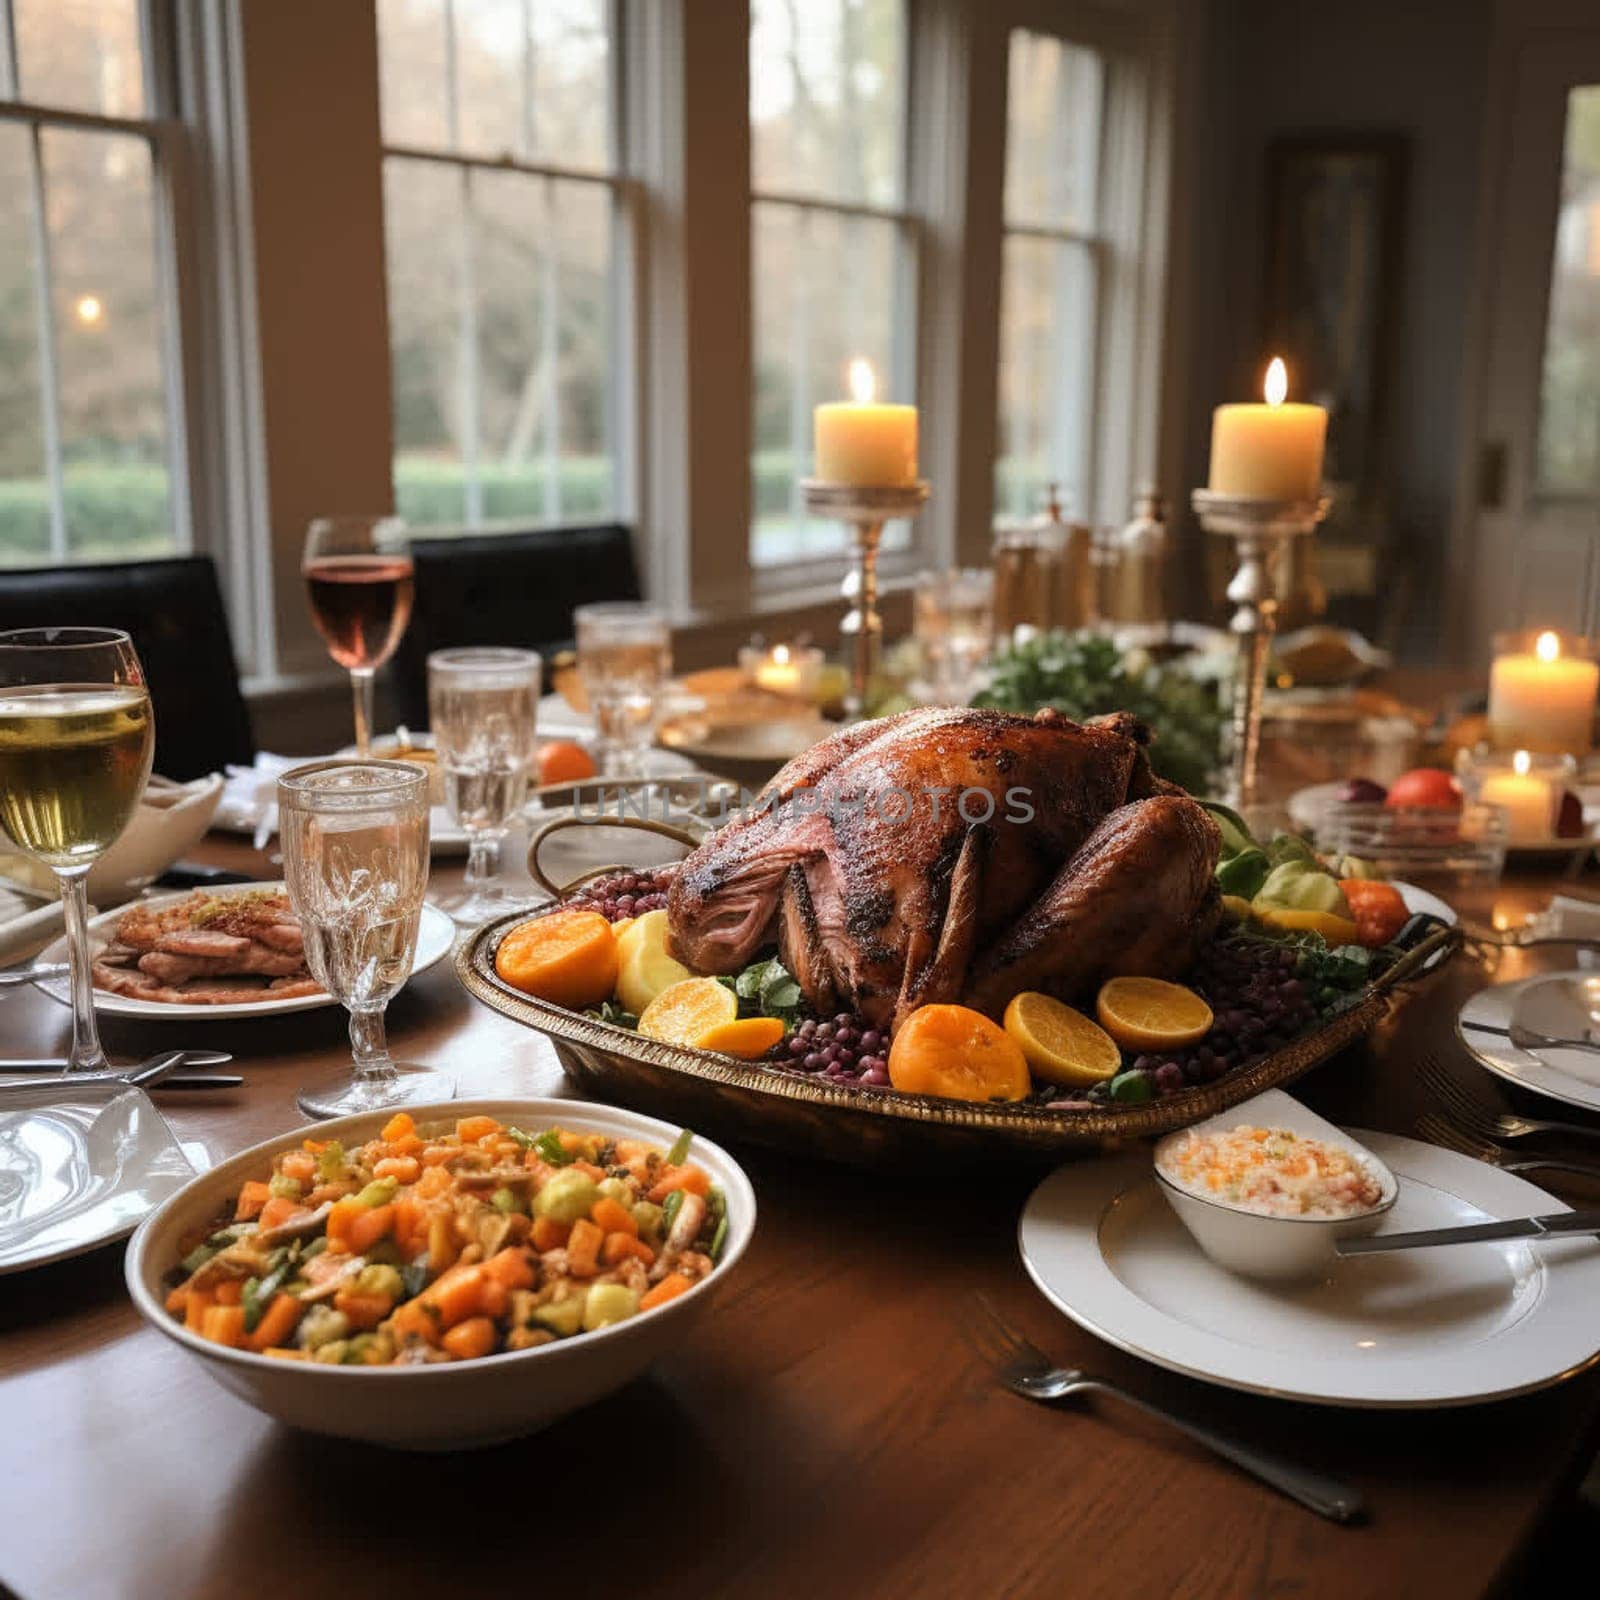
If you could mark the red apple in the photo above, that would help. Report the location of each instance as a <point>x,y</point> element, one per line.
<point>1425,786</point>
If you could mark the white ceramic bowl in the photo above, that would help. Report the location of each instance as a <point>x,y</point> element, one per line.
<point>1260,1246</point>
<point>450,1405</point>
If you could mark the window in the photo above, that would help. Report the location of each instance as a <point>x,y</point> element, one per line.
<point>1050,285</point>
<point>502,204</point>
<point>1569,421</point>
<point>833,251</point>
<point>90,443</point>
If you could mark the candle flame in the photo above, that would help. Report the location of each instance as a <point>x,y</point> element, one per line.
<point>1547,647</point>
<point>1276,388</point>
<point>863,383</point>
<point>780,653</point>
<point>1520,763</point>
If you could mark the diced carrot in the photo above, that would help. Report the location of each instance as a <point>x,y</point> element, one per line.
<point>583,1248</point>
<point>277,1211</point>
<point>588,1169</point>
<point>404,1169</point>
<point>548,1234</point>
<point>619,1246</point>
<point>252,1197</point>
<point>693,1179</point>
<point>613,1218</point>
<point>470,1339</point>
<point>399,1125</point>
<point>435,1155</point>
<point>369,1225</point>
<point>177,1299</point>
<point>299,1165</point>
<point>630,1150</point>
<point>230,1292</point>
<point>410,1145</point>
<point>471,1130</point>
<point>569,1141</point>
<point>363,1310</point>
<point>315,1146</point>
<point>510,1267</point>
<point>224,1325</point>
<point>457,1294</point>
<point>669,1288</point>
<point>339,1223</point>
<point>199,1302</point>
<point>409,1220</point>
<point>494,1298</point>
<point>277,1323</point>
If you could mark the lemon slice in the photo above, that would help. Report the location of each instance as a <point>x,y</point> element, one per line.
<point>1061,1045</point>
<point>687,1011</point>
<point>1151,1014</point>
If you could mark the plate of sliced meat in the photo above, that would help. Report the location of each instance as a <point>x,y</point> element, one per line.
<point>227,952</point>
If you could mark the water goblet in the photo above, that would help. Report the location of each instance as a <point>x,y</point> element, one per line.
<point>624,658</point>
<point>355,863</point>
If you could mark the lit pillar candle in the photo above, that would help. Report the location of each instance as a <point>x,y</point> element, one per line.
<point>1271,451</point>
<point>864,443</point>
<point>1542,699</point>
<point>1528,799</point>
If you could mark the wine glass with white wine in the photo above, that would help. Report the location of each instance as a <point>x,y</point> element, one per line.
<point>76,739</point>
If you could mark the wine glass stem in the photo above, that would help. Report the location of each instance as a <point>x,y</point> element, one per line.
<point>361,688</point>
<point>483,859</point>
<point>87,1055</point>
<point>370,1046</point>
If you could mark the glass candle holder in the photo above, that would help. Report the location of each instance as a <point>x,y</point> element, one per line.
<point>1527,786</point>
<point>787,669</point>
<point>1542,688</point>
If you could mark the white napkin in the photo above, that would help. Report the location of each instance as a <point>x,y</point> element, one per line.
<point>250,796</point>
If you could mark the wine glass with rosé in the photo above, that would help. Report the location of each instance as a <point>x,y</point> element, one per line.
<point>360,584</point>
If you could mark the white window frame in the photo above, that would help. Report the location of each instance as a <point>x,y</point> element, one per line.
<point>620,378</point>
<point>167,138</point>
<point>808,573</point>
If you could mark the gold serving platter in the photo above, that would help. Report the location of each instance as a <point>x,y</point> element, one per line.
<point>801,1113</point>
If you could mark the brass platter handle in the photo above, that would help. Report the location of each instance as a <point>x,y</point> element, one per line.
<point>666,830</point>
<point>1442,943</point>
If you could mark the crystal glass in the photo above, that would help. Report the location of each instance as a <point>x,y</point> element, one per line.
<point>482,707</point>
<point>359,582</point>
<point>76,737</point>
<point>954,624</point>
<point>624,658</point>
<point>355,861</point>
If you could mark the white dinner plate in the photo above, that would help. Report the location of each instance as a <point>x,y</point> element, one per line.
<point>1452,1326</point>
<point>435,935</point>
<point>1425,900</point>
<point>1571,1076</point>
<point>80,1169</point>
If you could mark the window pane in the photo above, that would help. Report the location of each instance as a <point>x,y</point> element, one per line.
<point>1053,97</point>
<point>423,222</point>
<point>811,320</point>
<point>414,64</point>
<point>542,259</point>
<point>531,78</point>
<point>1569,422</point>
<point>106,297</point>
<point>80,53</point>
<point>827,84</point>
<point>1047,336</point>
<point>24,482</point>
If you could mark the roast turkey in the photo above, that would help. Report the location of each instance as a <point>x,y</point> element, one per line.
<point>956,855</point>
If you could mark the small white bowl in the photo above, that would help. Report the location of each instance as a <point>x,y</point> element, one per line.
<point>457,1404</point>
<point>1256,1245</point>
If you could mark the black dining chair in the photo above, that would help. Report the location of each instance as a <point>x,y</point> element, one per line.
<point>505,589</point>
<point>173,611</point>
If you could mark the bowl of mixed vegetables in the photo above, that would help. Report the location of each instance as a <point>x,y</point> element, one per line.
<point>444,1276</point>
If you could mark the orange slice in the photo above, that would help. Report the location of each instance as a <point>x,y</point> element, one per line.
<point>1151,1014</point>
<point>685,1012</point>
<point>568,958</point>
<point>1061,1045</point>
<point>749,1038</point>
<point>957,1053</point>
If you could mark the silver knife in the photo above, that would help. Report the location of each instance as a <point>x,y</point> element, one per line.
<point>191,1058</point>
<point>1558,1223</point>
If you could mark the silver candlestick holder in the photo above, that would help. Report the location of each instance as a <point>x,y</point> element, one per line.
<point>864,511</point>
<point>1262,529</point>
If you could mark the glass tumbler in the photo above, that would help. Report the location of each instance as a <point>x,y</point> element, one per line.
<point>624,659</point>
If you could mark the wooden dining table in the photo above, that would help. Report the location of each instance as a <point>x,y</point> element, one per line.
<point>829,1432</point>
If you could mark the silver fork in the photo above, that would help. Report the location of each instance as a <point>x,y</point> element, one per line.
<point>1437,1130</point>
<point>1026,1370</point>
<point>1472,1114</point>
